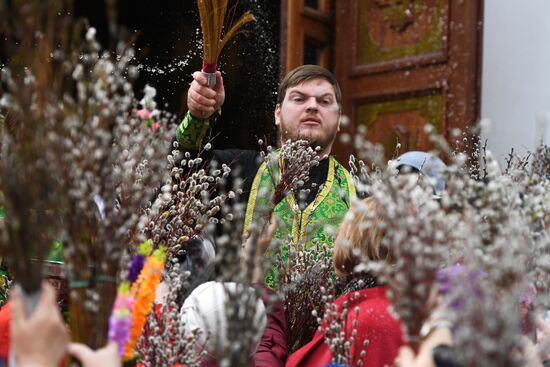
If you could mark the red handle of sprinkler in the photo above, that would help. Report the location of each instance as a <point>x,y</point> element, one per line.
<point>209,72</point>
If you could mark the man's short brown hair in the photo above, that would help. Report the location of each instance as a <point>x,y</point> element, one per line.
<point>305,73</point>
<point>359,238</point>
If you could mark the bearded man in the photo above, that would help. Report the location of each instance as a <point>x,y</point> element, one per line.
<point>308,108</point>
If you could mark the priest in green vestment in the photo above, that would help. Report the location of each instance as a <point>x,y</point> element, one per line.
<point>308,108</point>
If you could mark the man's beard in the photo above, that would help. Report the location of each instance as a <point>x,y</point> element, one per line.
<point>314,140</point>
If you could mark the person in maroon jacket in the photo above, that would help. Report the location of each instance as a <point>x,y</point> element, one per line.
<point>362,310</point>
<point>272,349</point>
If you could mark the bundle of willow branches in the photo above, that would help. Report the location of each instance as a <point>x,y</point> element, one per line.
<point>109,170</point>
<point>164,341</point>
<point>186,205</point>
<point>217,28</point>
<point>29,89</point>
<point>83,150</point>
<point>304,276</point>
<point>295,160</point>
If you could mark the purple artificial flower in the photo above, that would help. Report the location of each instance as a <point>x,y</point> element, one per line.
<point>119,332</point>
<point>449,278</point>
<point>120,322</point>
<point>135,267</point>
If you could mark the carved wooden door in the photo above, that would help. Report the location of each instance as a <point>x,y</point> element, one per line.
<point>405,63</point>
<point>306,33</point>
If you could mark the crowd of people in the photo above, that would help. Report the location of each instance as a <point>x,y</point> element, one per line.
<point>358,324</point>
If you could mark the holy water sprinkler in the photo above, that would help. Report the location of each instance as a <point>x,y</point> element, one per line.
<point>217,29</point>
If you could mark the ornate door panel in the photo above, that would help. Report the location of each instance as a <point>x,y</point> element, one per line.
<point>406,63</point>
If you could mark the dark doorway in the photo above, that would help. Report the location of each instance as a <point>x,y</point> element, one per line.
<point>167,45</point>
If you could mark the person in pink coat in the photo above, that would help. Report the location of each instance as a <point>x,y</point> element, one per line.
<point>362,311</point>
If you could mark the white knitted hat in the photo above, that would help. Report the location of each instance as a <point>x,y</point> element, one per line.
<point>205,309</point>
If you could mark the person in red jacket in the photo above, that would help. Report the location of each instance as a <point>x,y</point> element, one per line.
<point>361,315</point>
<point>5,332</point>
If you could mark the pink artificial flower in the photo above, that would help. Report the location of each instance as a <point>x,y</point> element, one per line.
<point>144,114</point>
<point>155,126</point>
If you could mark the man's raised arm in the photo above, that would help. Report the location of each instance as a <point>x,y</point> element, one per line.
<point>202,102</point>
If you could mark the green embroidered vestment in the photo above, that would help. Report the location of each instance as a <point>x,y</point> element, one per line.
<point>313,225</point>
